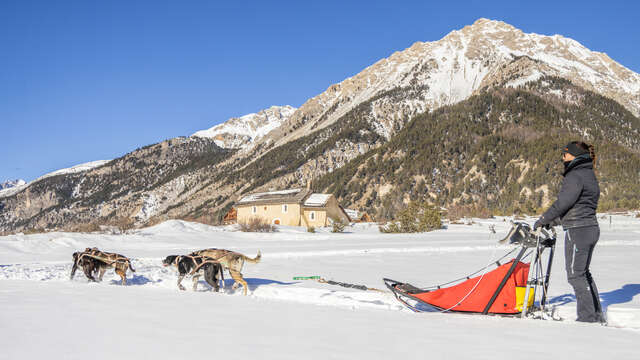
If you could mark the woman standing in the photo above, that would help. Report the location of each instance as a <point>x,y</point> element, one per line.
<point>575,209</point>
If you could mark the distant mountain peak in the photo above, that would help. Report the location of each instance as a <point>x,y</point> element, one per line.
<point>449,70</point>
<point>242,132</point>
<point>11,186</point>
<point>12,183</point>
<point>490,25</point>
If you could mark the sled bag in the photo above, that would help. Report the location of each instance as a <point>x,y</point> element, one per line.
<point>505,303</point>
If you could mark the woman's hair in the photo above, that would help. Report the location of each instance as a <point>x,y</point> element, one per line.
<point>590,149</point>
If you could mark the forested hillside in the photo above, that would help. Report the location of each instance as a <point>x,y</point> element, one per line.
<point>498,150</point>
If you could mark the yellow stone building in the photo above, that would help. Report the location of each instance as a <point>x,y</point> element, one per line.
<point>294,207</point>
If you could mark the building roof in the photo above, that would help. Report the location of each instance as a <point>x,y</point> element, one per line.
<point>353,214</point>
<point>317,200</point>
<point>295,196</point>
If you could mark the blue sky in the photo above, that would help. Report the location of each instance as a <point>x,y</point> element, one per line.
<point>89,80</point>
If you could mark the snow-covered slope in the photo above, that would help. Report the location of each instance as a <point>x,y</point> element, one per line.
<point>286,319</point>
<point>451,69</point>
<point>242,132</point>
<point>11,187</point>
<point>75,169</point>
<point>8,191</point>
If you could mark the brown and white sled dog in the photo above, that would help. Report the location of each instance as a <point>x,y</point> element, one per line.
<point>90,266</point>
<point>232,261</point>
<point>112,260</point>
<point>195,266</point>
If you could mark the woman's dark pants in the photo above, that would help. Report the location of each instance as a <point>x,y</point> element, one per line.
<point>579,244</point>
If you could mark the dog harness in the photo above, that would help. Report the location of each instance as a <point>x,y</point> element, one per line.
<point>205,260</point>
<point>98,255</point>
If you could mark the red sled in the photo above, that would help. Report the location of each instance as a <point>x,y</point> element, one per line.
<point>500,291</point>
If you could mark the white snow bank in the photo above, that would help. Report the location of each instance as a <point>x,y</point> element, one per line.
<point>180,226</point>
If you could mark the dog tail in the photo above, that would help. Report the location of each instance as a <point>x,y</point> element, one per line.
<point>255,260</point>
<point>131,267</point>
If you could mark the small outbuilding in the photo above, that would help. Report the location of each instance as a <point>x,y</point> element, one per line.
<point>358,216</point>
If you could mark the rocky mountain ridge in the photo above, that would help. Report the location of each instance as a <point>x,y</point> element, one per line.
<point>449,70</point>
<point>427,76</point>
<point>496,152</point>
<point>328,137</point>
<point>125,191</point>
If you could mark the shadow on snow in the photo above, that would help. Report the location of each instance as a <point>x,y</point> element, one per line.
<point>135,280</point>
<point>619,296</point>
<point>253,283</point>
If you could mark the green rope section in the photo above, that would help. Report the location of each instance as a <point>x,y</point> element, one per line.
<point>306,277</point>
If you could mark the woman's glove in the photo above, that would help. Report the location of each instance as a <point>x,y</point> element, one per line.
<point>539,224</point>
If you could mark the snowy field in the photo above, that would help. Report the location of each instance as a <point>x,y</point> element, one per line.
<point>45,315</point>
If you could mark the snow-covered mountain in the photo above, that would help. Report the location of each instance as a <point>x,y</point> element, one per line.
<point>284,147</point>
<point>11,183</point>
<point>15,186</point>
<point>11,187</point>
<point>450,70</point>
<point>76,169</point>
<point>242,132</point>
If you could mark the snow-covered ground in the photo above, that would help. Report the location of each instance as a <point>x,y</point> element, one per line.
<point>44,314</point>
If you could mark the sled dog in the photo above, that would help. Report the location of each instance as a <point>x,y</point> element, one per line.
<point>90,266</point>
<point>232,261</point>
<point>186,265</point>
<point>119,262</point>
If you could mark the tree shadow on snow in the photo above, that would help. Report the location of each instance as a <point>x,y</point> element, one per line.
<point>619,296</point>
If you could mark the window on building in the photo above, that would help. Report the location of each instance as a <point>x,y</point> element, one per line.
<point>285,208</point>
<point>312,215</point>
<point>254,210</point>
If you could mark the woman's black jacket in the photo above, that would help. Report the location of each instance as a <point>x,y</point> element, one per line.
<point>578,197</point>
